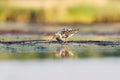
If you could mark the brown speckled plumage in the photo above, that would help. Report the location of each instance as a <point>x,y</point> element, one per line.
<point>65,33</point>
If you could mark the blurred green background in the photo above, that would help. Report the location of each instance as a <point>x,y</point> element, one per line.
<point>26,26</point>
<point>60,11</point>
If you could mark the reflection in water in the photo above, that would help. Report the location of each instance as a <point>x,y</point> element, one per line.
<point>63,51</point>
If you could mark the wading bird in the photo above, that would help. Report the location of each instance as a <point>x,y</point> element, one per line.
<point>64,34</point>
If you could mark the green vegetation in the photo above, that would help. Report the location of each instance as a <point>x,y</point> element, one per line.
<point>79,14</point>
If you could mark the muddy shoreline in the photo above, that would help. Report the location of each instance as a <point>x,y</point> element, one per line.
<point>31,42</point>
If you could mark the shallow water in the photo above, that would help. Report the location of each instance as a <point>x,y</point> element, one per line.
<point>63,69</point>
<point>41,50</point>
<point>92,54</point>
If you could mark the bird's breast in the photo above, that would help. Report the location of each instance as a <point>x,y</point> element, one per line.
<point>60,37</point>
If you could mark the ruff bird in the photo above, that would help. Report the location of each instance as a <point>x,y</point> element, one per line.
<point>64,34</point>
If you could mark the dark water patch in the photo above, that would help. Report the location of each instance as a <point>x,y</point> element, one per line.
<point>32,42</point>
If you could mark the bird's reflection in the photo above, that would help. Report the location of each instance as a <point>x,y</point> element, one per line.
<point>63,51</point>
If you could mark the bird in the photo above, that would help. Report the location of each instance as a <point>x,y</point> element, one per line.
<point>64,34</point>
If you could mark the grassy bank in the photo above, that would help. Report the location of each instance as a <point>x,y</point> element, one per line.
<point>81,14</point>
